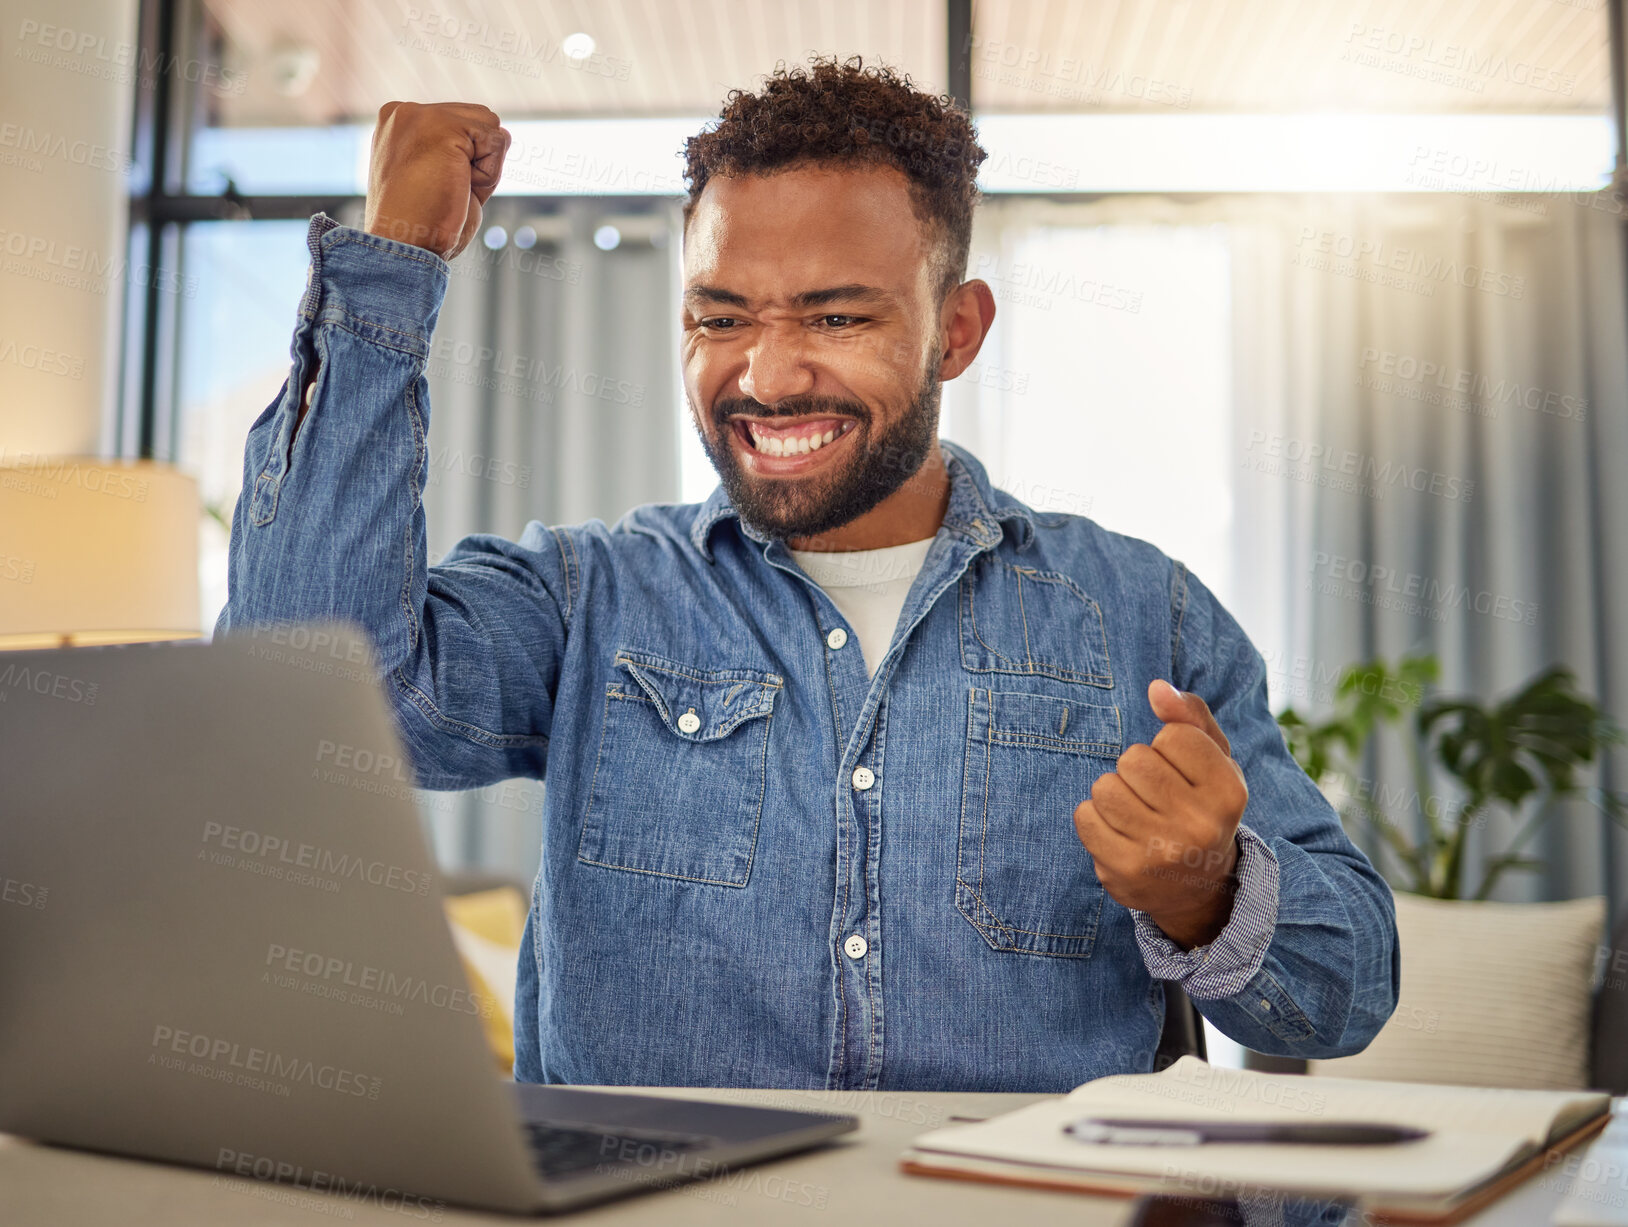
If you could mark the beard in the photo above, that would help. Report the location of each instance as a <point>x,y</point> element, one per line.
<point>807,506</point>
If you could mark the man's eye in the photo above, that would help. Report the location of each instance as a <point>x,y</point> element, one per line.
<point>720,323</point>
<point>841,321</point>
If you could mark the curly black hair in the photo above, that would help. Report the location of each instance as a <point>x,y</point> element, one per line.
<point>846,112</point>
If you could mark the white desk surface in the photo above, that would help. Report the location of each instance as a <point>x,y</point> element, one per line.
<point>851,1183</point>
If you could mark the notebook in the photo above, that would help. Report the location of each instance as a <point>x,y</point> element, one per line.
<point>1482,1140</point>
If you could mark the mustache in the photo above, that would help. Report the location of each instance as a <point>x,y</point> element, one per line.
<point>804,406</point>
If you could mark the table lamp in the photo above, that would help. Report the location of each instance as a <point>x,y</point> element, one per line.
<point>96,551</point>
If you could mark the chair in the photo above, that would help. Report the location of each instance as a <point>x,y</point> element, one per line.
<point>1183,1033</point>
<point>1608,1032</point>
<point>1608,1047</point>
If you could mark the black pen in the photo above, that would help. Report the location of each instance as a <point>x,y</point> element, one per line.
<point>1195,1133</point>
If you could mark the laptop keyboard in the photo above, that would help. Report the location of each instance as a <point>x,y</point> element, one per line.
<point>562,1150</point>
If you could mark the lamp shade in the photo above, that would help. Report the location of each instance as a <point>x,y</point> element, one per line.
<point>96,551</point>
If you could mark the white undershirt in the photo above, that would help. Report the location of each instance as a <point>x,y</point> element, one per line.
<point>868,587</point>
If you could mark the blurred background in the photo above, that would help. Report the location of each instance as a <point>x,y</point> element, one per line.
<point>1324,298</point>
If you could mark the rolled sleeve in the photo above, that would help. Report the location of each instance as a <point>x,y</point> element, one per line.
<point>1225,966</point>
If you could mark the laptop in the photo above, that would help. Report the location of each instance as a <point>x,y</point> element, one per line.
<point>222,944</point>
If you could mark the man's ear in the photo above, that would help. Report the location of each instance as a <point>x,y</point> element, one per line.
<point>968,313</point>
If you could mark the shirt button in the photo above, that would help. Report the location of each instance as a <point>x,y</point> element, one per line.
<point>836,638</point>
<point>689,722</point>
<point>863,778</point>
<point>855,947</point>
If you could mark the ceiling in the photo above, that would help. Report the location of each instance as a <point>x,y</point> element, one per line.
<point>653,57</point>
<point>680,57</point>
<point>1295,55</point>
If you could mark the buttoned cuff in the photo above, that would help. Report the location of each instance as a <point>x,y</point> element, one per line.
<point>393,288</point>
<point>1227,965</point>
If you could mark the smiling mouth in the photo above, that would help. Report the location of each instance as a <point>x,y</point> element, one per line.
<point>798,439</point>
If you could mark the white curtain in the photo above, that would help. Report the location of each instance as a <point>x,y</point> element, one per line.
<point>1425,414</point>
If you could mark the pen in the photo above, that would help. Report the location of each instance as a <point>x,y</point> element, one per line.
<point>1195,1133</point>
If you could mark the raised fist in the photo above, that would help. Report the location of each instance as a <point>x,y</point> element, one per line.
<point>433,167</point>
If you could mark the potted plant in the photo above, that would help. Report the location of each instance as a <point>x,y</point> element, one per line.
<point>1496,994</point>
<point>1523,752</point>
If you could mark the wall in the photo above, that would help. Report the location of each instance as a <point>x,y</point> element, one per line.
<point>66,98</point>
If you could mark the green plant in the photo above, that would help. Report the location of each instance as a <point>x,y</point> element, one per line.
<point>1523,752</point>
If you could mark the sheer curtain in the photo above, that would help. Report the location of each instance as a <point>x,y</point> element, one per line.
<point>1421,429</point>
<point>553,397</point>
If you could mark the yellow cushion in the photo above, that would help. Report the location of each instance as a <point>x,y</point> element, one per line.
<point>486,928</point>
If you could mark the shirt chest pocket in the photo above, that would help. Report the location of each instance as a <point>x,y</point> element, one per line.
<point>1031,623</point>
<point>677,786</point>
<point>1023,879</point>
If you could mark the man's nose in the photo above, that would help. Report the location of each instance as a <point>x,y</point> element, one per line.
<point>776,368</point>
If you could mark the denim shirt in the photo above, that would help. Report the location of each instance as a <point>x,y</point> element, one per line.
<point>759,866</point>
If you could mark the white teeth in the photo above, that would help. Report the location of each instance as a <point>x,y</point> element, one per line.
<point>781,445</point>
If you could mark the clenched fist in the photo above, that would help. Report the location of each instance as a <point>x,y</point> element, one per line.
<point>1162,826</point>
<point>432,169</point>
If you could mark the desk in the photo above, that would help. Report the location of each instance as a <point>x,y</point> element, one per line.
<point>854,1182</point>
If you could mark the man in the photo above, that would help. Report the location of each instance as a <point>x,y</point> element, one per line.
<point>860,773</point>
